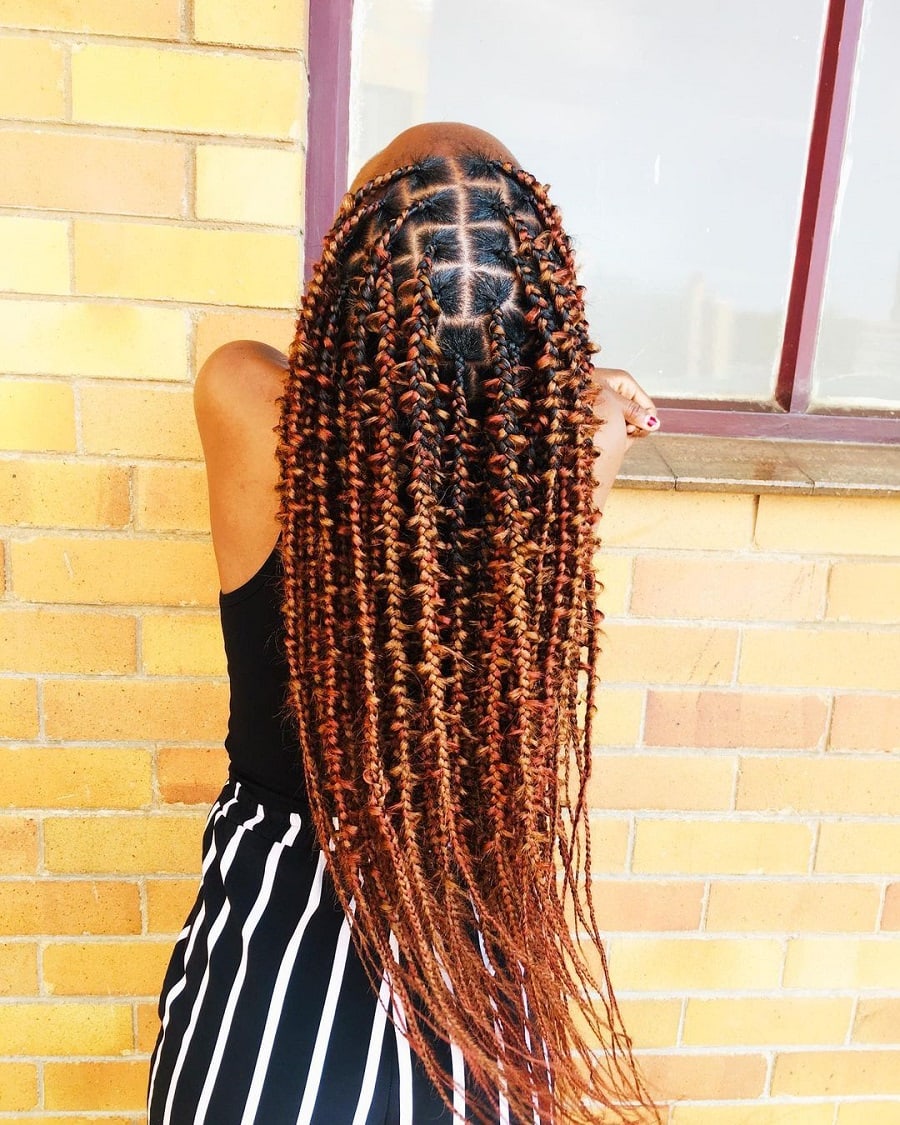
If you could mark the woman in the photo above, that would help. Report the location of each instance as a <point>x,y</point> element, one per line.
<point>380,934</point>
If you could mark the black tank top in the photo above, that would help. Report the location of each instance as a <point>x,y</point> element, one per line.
<point>263,752</point>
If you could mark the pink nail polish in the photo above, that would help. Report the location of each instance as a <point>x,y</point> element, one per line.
<point>652,422</point>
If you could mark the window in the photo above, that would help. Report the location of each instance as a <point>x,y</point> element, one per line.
<point>725,174</point>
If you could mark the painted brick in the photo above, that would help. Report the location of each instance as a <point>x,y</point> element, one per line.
<point>171,498</point>
<point>814,1073</point>
<point>736,847</point>
<point>36,415</point>
<point>763,1021</point>
<point>54,906</point>
<point>842,962</point>
<point>865,722</point>
<point>841,785</point>
<point>660,781</point>
<point>168,904</point>
<point>32,84</point>
<point>686,963</point>
<point>609,844</point>
<point>834,658</point>
<point>140,421</point>
<point>75,777</point>
<point>186,264</point>
<point>34,255</point>
<point>101,341</point>
<point>121,1084</point>
<point>76,172</point>
<point>114,571</point>
<point>18,968</point>
<point>18,845</point>
<point>735,719</point>
<point>105,968</point>
<point>693,520</point>
<point>281,23</point>
<point>18,708</point>
<point>864,592</point>
<point>135,709</point>
<point>709,1076</point>
<point>63,493</point>
<point>890,919</point>
<point>831,525</point>
<point>792,907</point>
<point>627,905</point>
<point>614,571</point>
<point>188,91</point>
<point>859,848</point>
<point>215,328</point>
<point>126,845</point>
<point>757,1113</point>
<point>158,19</point>
<point>18,1086</point>
<point>727,589</point>
<point>250,185</point>
<point>191,775</point>
<point>47,640</point>
<point>667,654</point>
<point>618,718</point>
<point>188,644</point>
<point>877,1020</point>
<point>45,1028</point>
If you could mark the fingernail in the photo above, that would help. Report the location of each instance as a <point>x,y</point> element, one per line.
<point>652,422</point>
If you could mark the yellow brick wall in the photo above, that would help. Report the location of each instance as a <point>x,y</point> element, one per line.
<point>746,801</point>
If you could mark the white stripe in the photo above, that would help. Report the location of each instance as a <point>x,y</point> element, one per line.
<point>276,1003</point>
<point>247,930</point>
<point>370,1075</point>
<point>503,1103</point>
<point>459,1085</point>
<point>212,938</point>
<point>404,1059</point>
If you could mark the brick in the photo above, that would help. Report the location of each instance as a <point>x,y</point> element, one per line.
<point>618,718</point>
<point>841,785</point>
<point>766,1113</point>
<point>46,640</point>
<point>735,847</point>
<point>171,498</point>
<point>688,963</point>
<point>168,903</point>
<point>857,848</point>
<point>727,589</point>
<point>842,962</point>
<point>140,421</point>
<point>54,906</point>
<point>186,264</point>
<point>121,1084</point>
<point>36,415</point>
<point>609,844</point>
<point>694,520</point>
<point>188,644</point>
<point>69,1119</point>
<point>215,328</point>
<point>814,1073</point>
<point>32,84</point>
<point>865,722</point>
<point>614,571</point>
<point>75,172</point>
<point>250,185</point>
<point>191,775</point>
<point>864,592</point>
<point>45,1028</point>
<point>867,1112</point>
<point>705,1076</point>
<point>831,525</point>
<point>158,19</point>
<point>114,571</point>
<point>148,1025</point>
<point>667,654</point>
<point>18,845</point>
<point>34,255</point>
<point>127,845</point>
<point>818,658</point>
<point>63,493</point>
<point>18,708</point>
<point>100,341</point>
<point>890,919</point>
<point>18,1086</point>
<point>735,719</point>
<point>877,1020</point>
<point>792,907</point>
<point>651,1023</point>
<point>18,968</point>
<point>765,1021</point>
<point>188,91</point>
<point>135,710</point>
<point>77,777</point>
<point>105,968</point>
<point>281,23</point>
<point>660,781</point>
<point>628,905</point>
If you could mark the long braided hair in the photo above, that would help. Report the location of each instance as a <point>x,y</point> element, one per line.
<point>436,454</point>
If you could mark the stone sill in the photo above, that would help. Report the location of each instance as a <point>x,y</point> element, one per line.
<point>757,465</point>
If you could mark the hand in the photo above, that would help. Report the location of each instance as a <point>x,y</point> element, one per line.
<point>617,388</point>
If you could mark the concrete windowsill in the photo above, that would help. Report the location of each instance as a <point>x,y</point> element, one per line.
<point>716,464</point>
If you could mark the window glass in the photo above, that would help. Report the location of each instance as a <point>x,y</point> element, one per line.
<point>674,139</point>
<point>858,355</point>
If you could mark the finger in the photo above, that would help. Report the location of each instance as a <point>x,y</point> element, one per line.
<point>624,384</point>
<point>640,417</point>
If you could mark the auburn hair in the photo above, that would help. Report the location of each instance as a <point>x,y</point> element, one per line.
<point>441,630</point>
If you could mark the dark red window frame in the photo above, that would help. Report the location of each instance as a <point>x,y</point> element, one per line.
<point>790,414</point>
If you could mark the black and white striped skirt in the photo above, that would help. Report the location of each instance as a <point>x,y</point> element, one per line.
<point>267,1015</point>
